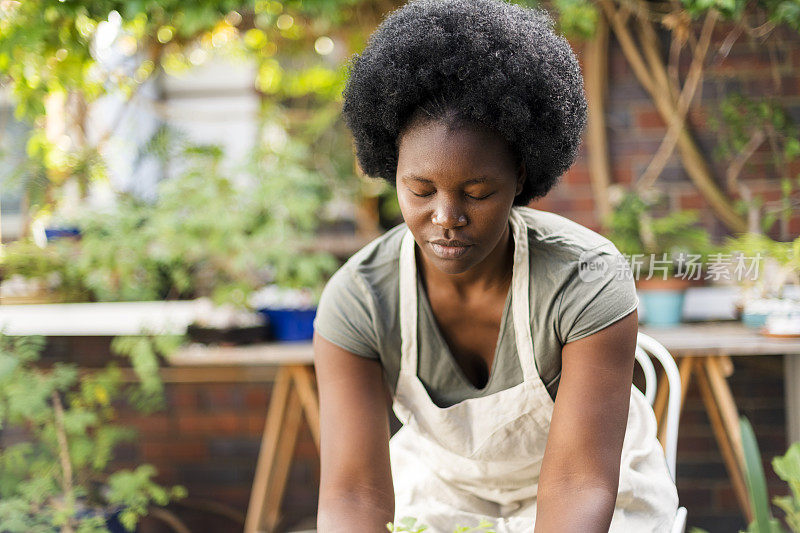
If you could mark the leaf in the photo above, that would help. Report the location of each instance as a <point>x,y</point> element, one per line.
<point>7,365</point>
<point>754,474</point>
<point>788,468</point>
<point>408,521</point>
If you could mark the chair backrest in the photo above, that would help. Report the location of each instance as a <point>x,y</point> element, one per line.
<point>647,347</point>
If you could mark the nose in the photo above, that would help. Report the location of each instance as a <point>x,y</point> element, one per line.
<point>449,215</point>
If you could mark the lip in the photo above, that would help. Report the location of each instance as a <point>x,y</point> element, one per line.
<point>445,249</point>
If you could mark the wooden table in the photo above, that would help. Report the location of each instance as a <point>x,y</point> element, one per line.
<point>293,395</point>
<point>704,351</point>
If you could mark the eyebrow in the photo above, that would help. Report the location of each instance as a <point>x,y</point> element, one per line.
<point>481,179</point>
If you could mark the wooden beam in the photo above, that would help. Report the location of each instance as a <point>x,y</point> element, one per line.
<point>270,514</point>
<point>724,442</point>
<point>596,66</point>
<point>304,381</point>
<point>269,451</point>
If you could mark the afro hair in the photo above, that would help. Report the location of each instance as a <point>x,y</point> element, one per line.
<point>490,63</point>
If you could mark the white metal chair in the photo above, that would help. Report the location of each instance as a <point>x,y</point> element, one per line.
<point>647,347</point>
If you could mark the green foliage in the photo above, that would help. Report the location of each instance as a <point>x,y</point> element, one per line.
<point>788,469</point>
<point>784,258</point>
<point>52,266</point>
<point>143,352</point>
<point>47,46</point>
<point>738,116</point>
<point>55,475</point>
<point>777,11</point>
<point>576,18</point>
<point>730,9</point>
<point>135,491</point>
<point>409,524</point>
<point>784,12</point>
<point>634,230</point>
<point>190,242</point>
<point>756,483</point>
<point>63,56</point>
<point>206,234</point>
<point>737,120</point>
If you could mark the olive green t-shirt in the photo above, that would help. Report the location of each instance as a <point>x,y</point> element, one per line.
<point>580,284</point>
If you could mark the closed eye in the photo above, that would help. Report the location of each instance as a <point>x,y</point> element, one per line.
<point>470,196</point>
<point>480,197</point>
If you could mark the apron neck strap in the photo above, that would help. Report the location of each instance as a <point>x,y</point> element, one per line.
<point>520,296</point>
<point>520,291</point>
<point>408,305</point>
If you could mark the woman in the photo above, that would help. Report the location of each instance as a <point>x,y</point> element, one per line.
<point>503,337</point>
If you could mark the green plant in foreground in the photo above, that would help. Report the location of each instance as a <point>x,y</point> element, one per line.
<point>408,524</point>
<point>756,484</point>
<point>59,439</point>
<point>788,469</point>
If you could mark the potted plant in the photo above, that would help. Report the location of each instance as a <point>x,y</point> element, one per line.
<point>193,240</point>
<point>666,253</point>
<point>225,324</point>
<point>288,312</point>
<point>30,273</point>
<point>298,267</point>
<point>770,292</point>
<point>209,235</point>
<point>59,440</point>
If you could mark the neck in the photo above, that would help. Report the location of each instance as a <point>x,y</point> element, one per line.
<point>493,273</point>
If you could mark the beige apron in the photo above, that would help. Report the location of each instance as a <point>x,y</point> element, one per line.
<point>481,457</point>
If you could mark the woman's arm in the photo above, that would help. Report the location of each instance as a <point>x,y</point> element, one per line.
<point>356,492</point>
<point>580,470</point>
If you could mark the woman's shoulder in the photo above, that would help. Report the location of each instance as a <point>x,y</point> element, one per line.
<point>562,238</point>
<point>371,272</point>
<point>568,258</point>
<point>359,300</point>
<point>381,252</point>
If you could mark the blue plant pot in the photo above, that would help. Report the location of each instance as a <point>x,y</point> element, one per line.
<point>58,233</point>
<point>754,320</point>
<point>291,324</point>
<point>111,516</point>
<point>663,308</point>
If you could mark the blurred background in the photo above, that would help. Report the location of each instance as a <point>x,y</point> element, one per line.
<point>192,153</point>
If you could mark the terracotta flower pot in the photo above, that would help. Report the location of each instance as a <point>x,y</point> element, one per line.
<point>661,284</point>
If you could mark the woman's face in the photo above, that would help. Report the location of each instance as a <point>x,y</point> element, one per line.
<point>455,188</point>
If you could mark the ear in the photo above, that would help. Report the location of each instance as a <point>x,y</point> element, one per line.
<point>522,175</point>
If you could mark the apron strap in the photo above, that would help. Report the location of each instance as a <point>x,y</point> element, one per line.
<point>520,296</point>
<point>408,305</point>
